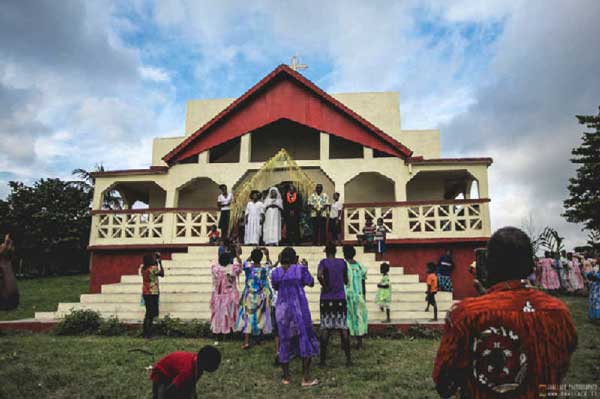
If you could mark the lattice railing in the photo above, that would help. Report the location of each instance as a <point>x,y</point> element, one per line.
<point>355,218</point>
<point>445,218</point>
<point>195,224</point>
<point>420,219</point>
<point>130,226</point>
<point>159,226</point>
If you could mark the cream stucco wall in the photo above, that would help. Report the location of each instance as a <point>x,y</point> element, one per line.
<point>198,112</point>
<point>425,143</point>
<point>161,146</point>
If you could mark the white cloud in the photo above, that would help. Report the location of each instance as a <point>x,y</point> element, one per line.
<point>154,74</point>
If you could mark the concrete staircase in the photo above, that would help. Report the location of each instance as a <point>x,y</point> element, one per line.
<point>187,287</point>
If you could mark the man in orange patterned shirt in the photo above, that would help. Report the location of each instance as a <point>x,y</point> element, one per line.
<point>510,342</point>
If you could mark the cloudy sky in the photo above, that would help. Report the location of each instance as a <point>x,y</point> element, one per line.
<point>95,81</point>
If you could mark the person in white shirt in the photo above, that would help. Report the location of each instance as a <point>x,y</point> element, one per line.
<point>224,203</point>
<point>335,216</point>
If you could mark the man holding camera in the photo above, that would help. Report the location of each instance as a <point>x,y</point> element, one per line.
<point>513,340</point>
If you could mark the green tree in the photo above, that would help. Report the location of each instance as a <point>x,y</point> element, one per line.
<point>50,225</point>
<point>111,199</point>
<point>583,204</point>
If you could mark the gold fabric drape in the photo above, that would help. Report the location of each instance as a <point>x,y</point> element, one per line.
<point>261,181</point>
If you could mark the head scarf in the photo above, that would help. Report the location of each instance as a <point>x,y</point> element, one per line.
<point>274,201</point>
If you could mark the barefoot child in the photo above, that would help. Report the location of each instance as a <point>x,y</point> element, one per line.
<point>432,288</point>
<point>384,291</point>
<point>255,306</point>
<point>175,375</point>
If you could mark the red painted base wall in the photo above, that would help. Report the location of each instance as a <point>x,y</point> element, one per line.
<point>107,267</point>
<point>414,258</point>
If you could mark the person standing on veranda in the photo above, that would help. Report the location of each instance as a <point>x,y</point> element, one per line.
<point>318,204</point>
<point>335,218</point>
<point>273,206</point>
<point>254,218</point>
<point>292,205</point>
<point>224,204</point>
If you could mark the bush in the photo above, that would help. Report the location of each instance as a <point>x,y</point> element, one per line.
<point>79,322</point>
<point>389,332</point>
<point>112,327</point>
<point>423,332</point>
<point>173,327</point>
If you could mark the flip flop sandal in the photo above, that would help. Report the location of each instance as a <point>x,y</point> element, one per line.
<point>245,347</point>
<point>310,384</point>
<point>285,382</point>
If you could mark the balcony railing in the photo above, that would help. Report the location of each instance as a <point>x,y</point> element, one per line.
<point>421,219</point>
<point>403,220</point>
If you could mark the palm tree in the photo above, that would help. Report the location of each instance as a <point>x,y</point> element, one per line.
<point>551,240</point>
<point>111,200</point>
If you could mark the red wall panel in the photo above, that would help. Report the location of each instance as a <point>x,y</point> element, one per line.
<point>414,259</point>
<point>108,266</point>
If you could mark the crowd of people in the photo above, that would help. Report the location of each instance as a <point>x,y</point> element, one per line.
<point>514,338</point>
<point>279,215</point>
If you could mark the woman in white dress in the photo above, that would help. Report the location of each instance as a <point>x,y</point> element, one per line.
<point>272,226</point>
<point>254,219</point>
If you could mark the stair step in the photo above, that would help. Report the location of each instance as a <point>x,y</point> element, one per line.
<point>204,297</point>
<point>166,287</point>
<point>402,278</point>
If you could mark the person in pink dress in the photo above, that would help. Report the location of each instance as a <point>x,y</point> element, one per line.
<point>575,272</point>
<point>224,303</point>
<point>547,274</point>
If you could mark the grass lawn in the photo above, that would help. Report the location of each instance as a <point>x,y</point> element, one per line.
<point>47,366</point>
<point>44,294</point>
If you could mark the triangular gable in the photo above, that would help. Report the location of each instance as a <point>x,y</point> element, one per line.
<point>284,93</point>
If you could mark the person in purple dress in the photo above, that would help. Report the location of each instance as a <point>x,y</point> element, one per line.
<point>297,336</point>
<point>333,276</point>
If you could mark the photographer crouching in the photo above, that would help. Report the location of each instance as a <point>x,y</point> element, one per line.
<point>511,342</point>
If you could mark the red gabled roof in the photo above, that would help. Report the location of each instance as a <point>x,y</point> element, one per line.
<point>286,94</point>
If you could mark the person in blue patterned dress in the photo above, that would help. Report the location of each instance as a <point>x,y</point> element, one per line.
<point>255,304</point>
<point>594,304</point>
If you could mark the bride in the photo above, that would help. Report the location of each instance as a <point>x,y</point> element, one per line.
<point>273,207</point>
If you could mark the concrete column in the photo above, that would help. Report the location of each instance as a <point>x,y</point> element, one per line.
<point>367,153</point>
<point>171,199</point>
<point>203,157</point>
<point>324,146</point>
<point>245,148</point>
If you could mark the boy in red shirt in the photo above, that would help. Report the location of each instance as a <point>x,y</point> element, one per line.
<point>432,289</point>
<point>175,375</point>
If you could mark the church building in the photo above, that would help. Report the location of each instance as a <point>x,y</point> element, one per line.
<point>351,143</point>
